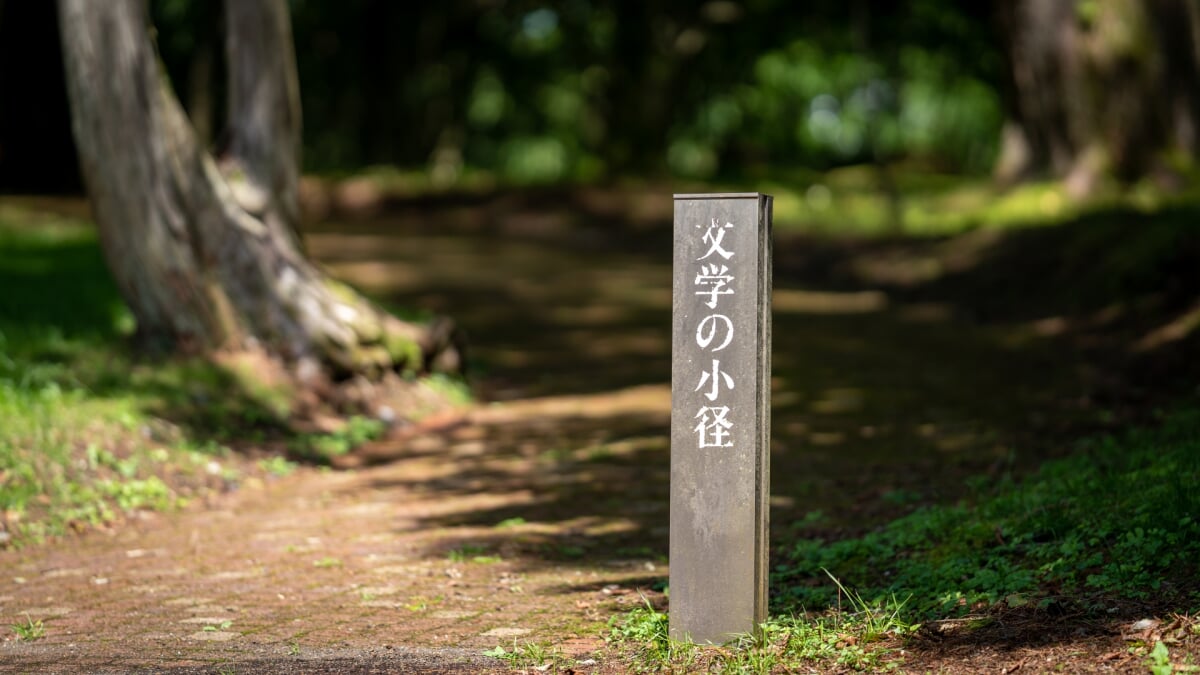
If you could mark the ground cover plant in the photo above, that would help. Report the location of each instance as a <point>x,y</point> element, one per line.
<point>1116,521</point>
<point>1103,540</point>
<point>95,428</point>
<point>137,434</point>
<point>1110,532</point>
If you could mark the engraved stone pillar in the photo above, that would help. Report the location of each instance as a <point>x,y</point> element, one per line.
<point>720,415</point>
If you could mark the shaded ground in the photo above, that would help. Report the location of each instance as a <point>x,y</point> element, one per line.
<point>536,517</point>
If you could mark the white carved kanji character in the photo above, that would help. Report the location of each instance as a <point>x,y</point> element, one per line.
<point>715,277</point>
<point>714,380</point>
<point>713,427</point>
<point>713,236</point>
<point>706,332</point>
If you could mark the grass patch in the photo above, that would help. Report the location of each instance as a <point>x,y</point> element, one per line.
<point>29,630</point>
<point>529,655</point>
<point>90,430</point>
<point>322,448</point>
<point>859,636</point>
<point>1110,531</point>
<point>852,201</point>
<point>1116,521</point>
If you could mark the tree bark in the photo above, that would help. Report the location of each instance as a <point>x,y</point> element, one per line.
<point>1098,89</point>
<point>208,256</point>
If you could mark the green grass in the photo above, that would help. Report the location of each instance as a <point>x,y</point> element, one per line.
<point>1116,521</point>
<point>1113,527</point>
<point>89,428</point>
<point>860,636</point>
<point>73,449</point>
<point>29,630</point>
<point>851,201</point>
<point>529,656</point>
<point>323,447</point>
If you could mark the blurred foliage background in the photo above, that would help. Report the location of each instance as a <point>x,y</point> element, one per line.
<point>575,90</point>
<point>529,91</point>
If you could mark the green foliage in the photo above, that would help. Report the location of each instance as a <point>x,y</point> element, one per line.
<point>90,430</point>
<point>541,92</point>
<point>30,630</point>
<point>277,466</point>
<point>323,447</point>
<point>1159,660</point>
<point>1117,520</point>
<point>132,494</point>
<point>862,636</point>
<point>527,655</point>
<point>647,630</point>
<point>827,107</point>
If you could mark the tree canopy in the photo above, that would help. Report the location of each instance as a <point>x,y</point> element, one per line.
<point>583,89</point>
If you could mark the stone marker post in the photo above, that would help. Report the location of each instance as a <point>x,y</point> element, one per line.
<point>720,415</point>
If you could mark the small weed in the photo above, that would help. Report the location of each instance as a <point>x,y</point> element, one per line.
<point>327,563</point>
<point>648,630</point>
<point>509,523</point>
<point>277,466</point>
<point>1159,660</point>
<point>528,655</point>
<point>30,630</point>
<point>861,637</point>
<point>497,652</point>
<point>294,649</point>
<point>134,494</point>
<point>875,621</point>
<point>224,625</point>
<point>324,447</point>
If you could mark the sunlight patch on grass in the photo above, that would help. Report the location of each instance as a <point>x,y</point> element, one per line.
<point>852,202</point>
<point>1118,520</point>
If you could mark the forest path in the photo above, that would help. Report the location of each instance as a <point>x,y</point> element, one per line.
<point>536,517</point>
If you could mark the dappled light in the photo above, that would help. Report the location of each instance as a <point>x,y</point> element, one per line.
<point>599,336</point>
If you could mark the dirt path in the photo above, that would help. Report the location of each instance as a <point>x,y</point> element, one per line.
<point>540,516</point>
<point>398,566</point>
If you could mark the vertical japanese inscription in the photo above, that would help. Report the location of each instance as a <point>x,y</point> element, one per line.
<point>720,423</point>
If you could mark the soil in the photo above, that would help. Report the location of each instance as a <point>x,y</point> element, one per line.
<point>538,515</point>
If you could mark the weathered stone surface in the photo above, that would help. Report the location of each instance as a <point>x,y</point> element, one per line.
<point>720,420</point>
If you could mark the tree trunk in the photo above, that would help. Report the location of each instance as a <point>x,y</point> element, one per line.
<point>1098,88</point>
<point>208,256</point>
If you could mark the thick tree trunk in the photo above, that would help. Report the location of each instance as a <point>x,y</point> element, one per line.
<point>208,257</point>
<point>1098,88</point>
<point>262,159</point>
